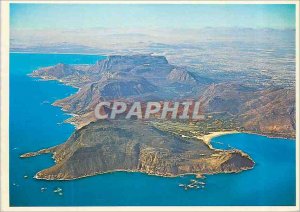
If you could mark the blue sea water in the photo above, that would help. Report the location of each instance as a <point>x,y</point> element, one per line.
<point>35,124</point>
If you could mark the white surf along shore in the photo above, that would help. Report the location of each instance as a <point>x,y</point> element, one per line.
<point>207,138</point>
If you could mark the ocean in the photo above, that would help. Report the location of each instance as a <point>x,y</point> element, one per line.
<point>35,124</point>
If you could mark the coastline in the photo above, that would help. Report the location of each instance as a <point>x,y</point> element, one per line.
<point>197,175</point>
<point>90,182</point>
<point>270,135</point>
<point>207,138</point>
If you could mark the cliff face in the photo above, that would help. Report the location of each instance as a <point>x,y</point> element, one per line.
<point>137,146</point>
<point>129,63</point>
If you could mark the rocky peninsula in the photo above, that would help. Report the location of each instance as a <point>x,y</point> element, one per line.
<point>168,148</point>
<point>136,146</point>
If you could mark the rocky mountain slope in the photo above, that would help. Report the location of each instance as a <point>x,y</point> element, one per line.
<point>179,75</point>
<point>108,88</point>
<point>142,77</point>
<point>273,112</point>
<point>148,66</point>
<point>270,111</point>
<point>116,145</point>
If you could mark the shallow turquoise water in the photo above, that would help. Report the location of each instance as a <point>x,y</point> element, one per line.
<point>35,124</point>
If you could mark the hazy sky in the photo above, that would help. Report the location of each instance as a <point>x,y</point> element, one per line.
<point>50,16</point>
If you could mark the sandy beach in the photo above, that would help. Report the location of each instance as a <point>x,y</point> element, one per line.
<point>207,138</point>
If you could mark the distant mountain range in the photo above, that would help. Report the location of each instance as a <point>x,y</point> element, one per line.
<point>263,56</point>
